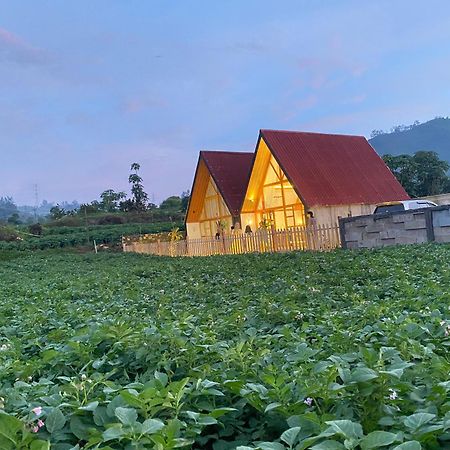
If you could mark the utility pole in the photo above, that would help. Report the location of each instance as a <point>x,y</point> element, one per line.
<point>86,223</point>
<point>36,202</point>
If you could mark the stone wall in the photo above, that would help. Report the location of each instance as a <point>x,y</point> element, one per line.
<point>404,227</point>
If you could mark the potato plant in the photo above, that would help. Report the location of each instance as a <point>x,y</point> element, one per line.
<point>344,350</point>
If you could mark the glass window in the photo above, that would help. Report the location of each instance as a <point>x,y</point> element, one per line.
<point>272,196</point>
<point>389,208</point>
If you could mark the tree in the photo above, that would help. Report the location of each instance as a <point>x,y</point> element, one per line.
<point>89,208</point>
<point>185,197</point>
<point>7,207</point>
<point>139,196</point>
<point>420,174</point>
<point>14,219</point>
<point>432,173</point>
<point>56,212</point>
<point>405,170</point>
<point>172,204</point>
<point>36,229</point>
<point>110,200</point>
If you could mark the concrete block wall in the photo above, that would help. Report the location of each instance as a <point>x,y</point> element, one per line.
<point>441,224</point>
<point>404,227</point>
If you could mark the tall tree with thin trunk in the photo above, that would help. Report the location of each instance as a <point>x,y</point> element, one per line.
<point>139,196</point>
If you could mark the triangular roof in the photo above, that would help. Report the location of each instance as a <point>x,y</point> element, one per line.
<point>332,169</point>
<point>230,171</point>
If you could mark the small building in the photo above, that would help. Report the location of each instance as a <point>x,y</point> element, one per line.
<point>217,192</point>
<point>331,175</point>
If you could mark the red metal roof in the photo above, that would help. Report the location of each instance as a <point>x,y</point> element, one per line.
<point>331,169</point>
<point>230,171</point>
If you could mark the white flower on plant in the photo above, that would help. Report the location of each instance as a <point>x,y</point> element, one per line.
<point>393,394</point>
<point>446,327</point>
<point>308,401</point>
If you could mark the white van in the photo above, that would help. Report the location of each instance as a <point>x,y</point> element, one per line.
<point>403,205</point>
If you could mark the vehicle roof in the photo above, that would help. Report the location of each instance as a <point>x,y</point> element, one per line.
<point>405,202</point>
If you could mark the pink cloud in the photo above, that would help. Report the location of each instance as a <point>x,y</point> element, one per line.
<point>294,109</point>
<point>15,49</point>
<point>136,105</point>
<point>318,73</point>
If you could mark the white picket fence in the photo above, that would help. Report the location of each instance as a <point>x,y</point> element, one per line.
<point>320,238</point>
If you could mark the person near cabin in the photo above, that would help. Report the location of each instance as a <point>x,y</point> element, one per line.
<point>312,237</point>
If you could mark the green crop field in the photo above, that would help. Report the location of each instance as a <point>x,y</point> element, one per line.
<point>59,237</point>
<point>346,350</point>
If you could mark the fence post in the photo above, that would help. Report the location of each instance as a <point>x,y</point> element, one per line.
<point>342,232</point>
<point>429,225</point>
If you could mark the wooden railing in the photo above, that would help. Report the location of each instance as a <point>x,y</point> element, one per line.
<point>320,238</point>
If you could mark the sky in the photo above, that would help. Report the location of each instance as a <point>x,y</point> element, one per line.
<point>88,87</point>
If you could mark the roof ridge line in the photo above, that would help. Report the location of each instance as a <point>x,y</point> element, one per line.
<point>226,151</point>
<point>311,132</point>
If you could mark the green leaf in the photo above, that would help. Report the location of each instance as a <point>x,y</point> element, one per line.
<point>362,374</point>
<point>89,407</point>
<point>80,425</point>
<point>377,439</point>
<point>182,442</point>
<point>272,406</point>
<point>415,421</point>
<point>55,420</point>
<point>128,416</point>
<point>9,428</point>
<point>162,378</point>
<point>40,445</point>
<point>115,432</point>
<point>219,412</point>
<point>271,446</point>
<point>151,426</point>
<point>328,445</point>
<point>101,417</point>
<point>206,420</point>
<point>290,436</point>
<point>410,445</point>
<point>346,428</point>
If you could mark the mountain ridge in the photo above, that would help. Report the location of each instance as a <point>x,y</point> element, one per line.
<point>433,135</point>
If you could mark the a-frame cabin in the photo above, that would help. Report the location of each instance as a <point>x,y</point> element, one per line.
<point>331,175</point>
<point>217,192</point>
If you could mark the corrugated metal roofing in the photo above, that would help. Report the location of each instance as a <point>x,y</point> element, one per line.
<point>331,169</point>
<point>230,171</point>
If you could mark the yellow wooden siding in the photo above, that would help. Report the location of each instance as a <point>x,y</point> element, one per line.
<point>201,182</point>
<point>270,195</point>
<point>207,206</point>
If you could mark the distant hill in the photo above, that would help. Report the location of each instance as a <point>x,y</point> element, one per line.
<point>433,135</point>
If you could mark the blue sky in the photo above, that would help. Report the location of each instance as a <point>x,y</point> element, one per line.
<point>87,87</point>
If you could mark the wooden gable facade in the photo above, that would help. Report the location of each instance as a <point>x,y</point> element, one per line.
<point>270,196</point>
<point>217,192</point>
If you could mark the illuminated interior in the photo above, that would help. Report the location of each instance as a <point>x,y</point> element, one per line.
<point>214,210</point>
<point>270,196</point>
